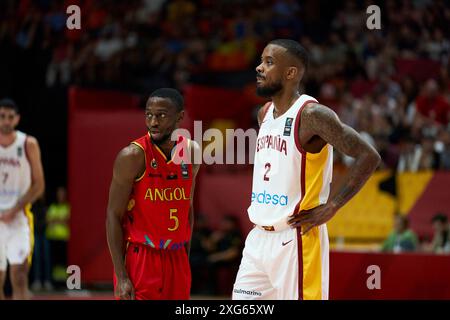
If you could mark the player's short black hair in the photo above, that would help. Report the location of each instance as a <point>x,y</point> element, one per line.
<point>172,94</point>
<point>294,48</point>
<point>439,217</point>
<point>9,104</point>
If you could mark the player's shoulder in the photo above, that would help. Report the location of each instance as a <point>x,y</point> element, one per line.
<point>131,152</point>
<point>129,161</point>
<point>313,109</point>
<point>31,141</point>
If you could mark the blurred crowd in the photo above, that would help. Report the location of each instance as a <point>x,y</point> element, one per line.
<point>392,84</point>
<point>404,239</point>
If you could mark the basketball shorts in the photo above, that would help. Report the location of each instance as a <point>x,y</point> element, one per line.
<point>16,240</point>
<point>158,274</point>
<point>284,265</point>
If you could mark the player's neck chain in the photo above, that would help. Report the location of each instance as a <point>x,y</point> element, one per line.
<point>275,112</point>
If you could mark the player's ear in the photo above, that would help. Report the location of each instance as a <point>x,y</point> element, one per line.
<point>17,119</point>
<point>292,72</point>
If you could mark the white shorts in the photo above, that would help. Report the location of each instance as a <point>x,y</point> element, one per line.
<point>284,265</point>
<point>16,241</point>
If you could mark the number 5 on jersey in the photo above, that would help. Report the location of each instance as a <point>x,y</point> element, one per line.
<point>173,217</point>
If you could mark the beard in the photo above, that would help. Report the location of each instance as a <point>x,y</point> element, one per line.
<point>269,90</point>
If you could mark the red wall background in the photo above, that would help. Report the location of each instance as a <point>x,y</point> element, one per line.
<point>403,276</point>
<point>101,123</point>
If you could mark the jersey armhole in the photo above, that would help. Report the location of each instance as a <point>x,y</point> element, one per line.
<point>25,146</point>
<point>145,159</point>
<point>265,109</point>
<point>297,126</point>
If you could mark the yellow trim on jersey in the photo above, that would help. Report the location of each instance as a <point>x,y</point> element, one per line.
<point>30,219</point>
<point>312,265</point>
<point>145,156</point>
<point>314,172</point>
<point>162,153</point>
<point>314,167</point>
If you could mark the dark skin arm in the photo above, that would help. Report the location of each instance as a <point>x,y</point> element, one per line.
<point>129,164</point>
<point>37,181</point>
<point>320,125</point>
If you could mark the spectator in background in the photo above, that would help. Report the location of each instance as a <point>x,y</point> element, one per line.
<point>442,146</point>
<point>441,239</point>
<point>41,256</point>
<point>226,244</point>
<point>401,239</point>
<point>410,155</point>
<point>432,103</point>
<point>58,233</point>
<point>200,249</point>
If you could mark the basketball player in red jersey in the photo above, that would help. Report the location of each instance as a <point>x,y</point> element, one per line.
<point>150,214</point>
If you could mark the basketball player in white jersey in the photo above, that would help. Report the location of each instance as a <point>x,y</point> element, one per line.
<point>286,253</point>
<point>21,183</point>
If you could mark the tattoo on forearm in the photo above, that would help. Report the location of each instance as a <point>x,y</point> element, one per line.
<point>322,121</point>
<point>358,175</point>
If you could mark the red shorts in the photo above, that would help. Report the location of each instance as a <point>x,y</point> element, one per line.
<point>158,274</point>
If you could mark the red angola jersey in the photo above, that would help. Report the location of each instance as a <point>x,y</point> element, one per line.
<point>158,208</point>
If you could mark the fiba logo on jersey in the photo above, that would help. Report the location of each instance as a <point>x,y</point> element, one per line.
<point>288,127</point>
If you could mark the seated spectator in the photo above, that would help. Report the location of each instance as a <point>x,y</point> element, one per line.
<point>401,239</point>
<point>200,249</point>
<point>226,253</point>
<point>432,103</point>
<point>441,239</point>
<point>58,232</point>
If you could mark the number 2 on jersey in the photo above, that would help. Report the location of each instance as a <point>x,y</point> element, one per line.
<point>173,217</point>
<point>267,166</point>
<point>5,177</point>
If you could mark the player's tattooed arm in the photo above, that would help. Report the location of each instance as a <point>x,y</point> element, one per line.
<point>319,120</point>
<point>129,164</point>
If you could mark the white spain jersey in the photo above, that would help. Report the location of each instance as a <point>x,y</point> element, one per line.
<point>287,179</point>
<point>15,172</point>
<point>278,262</point>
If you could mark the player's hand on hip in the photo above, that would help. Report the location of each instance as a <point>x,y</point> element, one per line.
<point>308,219</point>
<point>8,215</point>
<point>125,289</point>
